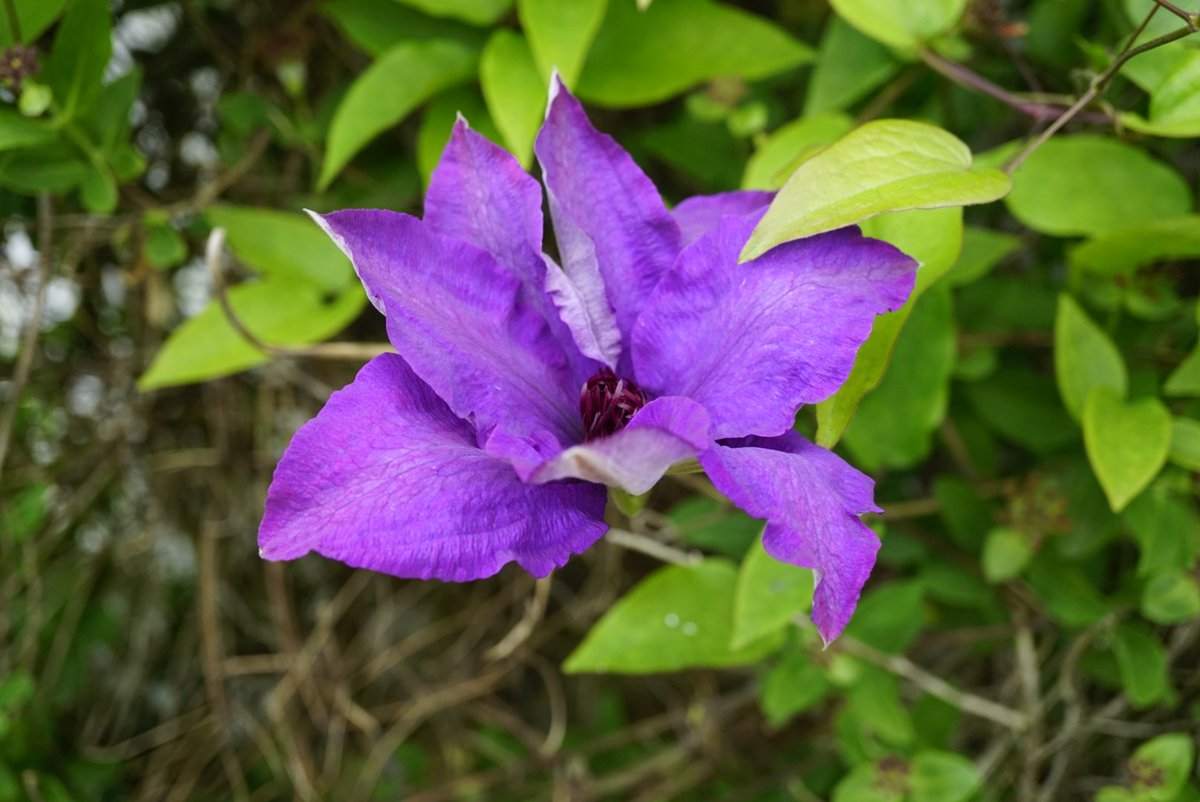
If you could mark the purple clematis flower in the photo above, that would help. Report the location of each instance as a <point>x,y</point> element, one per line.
<point>474,446</point>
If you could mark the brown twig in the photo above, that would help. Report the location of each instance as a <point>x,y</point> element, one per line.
<point>214,252</point>
<point>1098,85</point>
<point>1190,19</point>
<point>936,686</point>
<point>971,80</point>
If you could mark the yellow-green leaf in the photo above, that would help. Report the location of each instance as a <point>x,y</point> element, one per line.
<point>1127,443</point>
<point>883,166</point>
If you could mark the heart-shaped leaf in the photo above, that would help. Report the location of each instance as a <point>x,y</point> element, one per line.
<point>883,166</point>
<point>1127,444</point>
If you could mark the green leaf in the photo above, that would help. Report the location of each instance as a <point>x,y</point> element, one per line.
<point>769,595</point>
<point>901,23</point>
<point>1185,443</point>
<point>34,17</point>
<point>514,90</point>
<point>377,26</point>
<point>915,389</point>
<point>942,777</point>
<point>1171,598</point>
<point>476,12</point>
<point>52,168</point>
<point>1006,552</point>
<point>639,58</point>
<point>933,237</point>
<point>1127,443</point>
<point>982,249</point>
<point>1161,767</point>
<point>1166,529</point>
<point>781,152</point>
<point>23,513</point>
<point>283,244</point>
<point>163,247</point>
<point>560,34</point>
<point>1068,594</point>
<point>399,81</point>
<point>1023,407</point>
<point>889,617</point>
<point>1122,251</point>
<point>794,685</point>
<point>82,48</point>
<point>1089,184</point>
<point>1115,793</point>
<point>1174,103</point>
<point>98,190</point>
<point>1185,379</point>
<point>883,166</point>
<point>849,66</point>
<point>681,616</point>
<point>107,123</point>
<point>865,784</point>
<point>278,311</point>
<point>1142,662</point>
<point>1084,357</point>
<point>438,121</point>
<point>19,131</point>
<point>875,701</point>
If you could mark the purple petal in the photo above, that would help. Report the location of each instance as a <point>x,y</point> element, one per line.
<point>811,500</point>
<point>753,342</point>
<point>697,215</point>
<point>454,314</point>
<point>480,194</point>
<point>609,220</point>
<point>662,433</point>
<point>387,478</point>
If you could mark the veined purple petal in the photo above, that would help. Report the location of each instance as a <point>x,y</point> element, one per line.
<point>609,219</point>
<point>386,477</point>
<point>697,215</point>
<point>753,342</point>
<point>811,500</point>
<point>454,314</point>
<point>480,194</point>
<point>662,433</point>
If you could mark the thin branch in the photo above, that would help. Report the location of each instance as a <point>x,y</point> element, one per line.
<point>646,545</point>
<point>214,251</point>
<point>972,80</point>
<point>32,326</point>
<point>352,352</point>
<point>1190,19</point>
<point>934,685</point>
<point>1098,86</point>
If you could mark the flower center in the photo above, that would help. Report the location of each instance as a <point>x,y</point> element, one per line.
<point>606,403</point>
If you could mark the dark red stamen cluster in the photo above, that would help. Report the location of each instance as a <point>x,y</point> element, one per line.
<point>18,63</point>
<point>607,403</point>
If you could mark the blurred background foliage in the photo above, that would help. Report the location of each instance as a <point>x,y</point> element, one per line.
<point>1031,631</point>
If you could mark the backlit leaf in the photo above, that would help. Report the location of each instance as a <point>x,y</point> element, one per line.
<point>883,166</point>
